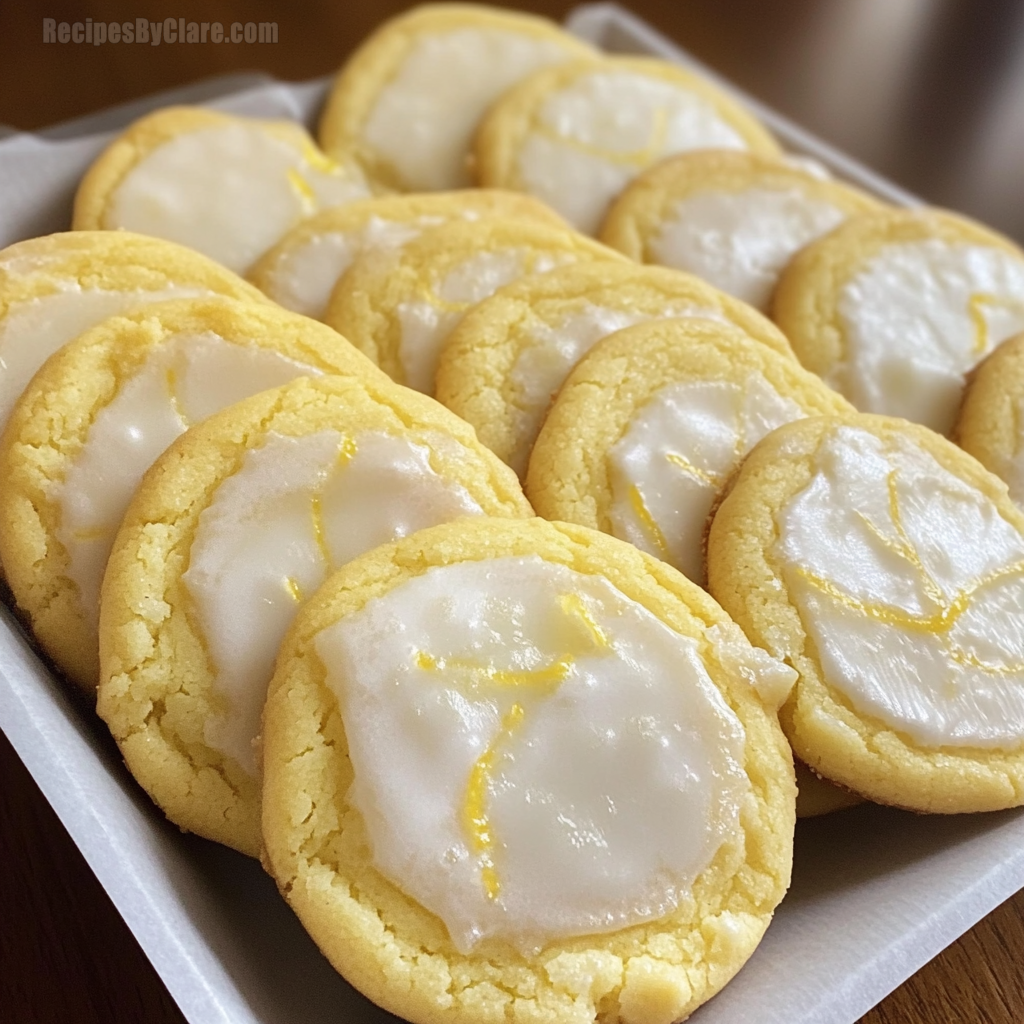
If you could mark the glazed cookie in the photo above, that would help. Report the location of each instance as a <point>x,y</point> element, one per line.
<point>408,101</point>
<point>501,367</point>
<point>227,186</point>
<point>300,272</point>
<point>576,135</point>
<point>734,219</point>
<point>651,424</point>
<point>894,308</point>
<point>991,421</point>
<point>54,288</point>
<point>96,416</point>
<point>397,306</point>
<point>887,567</point>
<point>237,524</point>
<point>563,795</point>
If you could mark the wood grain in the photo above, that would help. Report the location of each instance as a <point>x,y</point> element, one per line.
<point>65,954</point>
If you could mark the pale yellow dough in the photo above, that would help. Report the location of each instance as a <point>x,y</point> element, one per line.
<point>400,955</point>
<point>991,421</point>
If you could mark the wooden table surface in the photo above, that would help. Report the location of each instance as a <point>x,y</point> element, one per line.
<point>929,93</point>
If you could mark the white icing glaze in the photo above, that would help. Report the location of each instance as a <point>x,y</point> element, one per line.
<point>34,329</point>
<point>536,756</point>
<point>675,455</point>
<point>185,380</point>
<point>555,348</point>
<point>427,321</point>
<point>230,191</point>
<point>296,509</point>
<point>305,276</point>
<point>596,134</point>
<point>741,241</point>
<point>423,121</point>
<point>916,318</point>
<point>910,585</point>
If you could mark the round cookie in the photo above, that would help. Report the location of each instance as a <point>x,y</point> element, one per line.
<point>543,861</point>
<point>503,364</point>
<point>653,421</point>
<point>227,186</point>
<point>300,272</point>
<point>407,103</point>
<point>734,219</point>
<point>894,308</point>
<point>576,135</point>
<point>236,525</point>
<point>991,421</point>
<point>887,567</point>
<point>54,288</point>
<point>397,306</point>
<point>95,417</point>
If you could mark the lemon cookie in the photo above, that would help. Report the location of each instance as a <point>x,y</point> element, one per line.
<point>300,272</point>
<point>96,416</point>
<point>652,422</point>
<point>887,567</point>
<point>734,219</point>
<point>561,795</point>
<point>407,103</point>
<point>237,524</point>
<point>894,308</point>
<point>225,185</point>
<point>991,421</point>
<point>502,365</point>
<point>397,306</point>
<point>576,135</point>
<point>54,288</point>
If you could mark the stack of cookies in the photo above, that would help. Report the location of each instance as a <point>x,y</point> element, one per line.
<point>571,459</point>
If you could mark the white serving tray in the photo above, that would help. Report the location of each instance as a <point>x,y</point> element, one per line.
<point>876,892</point>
